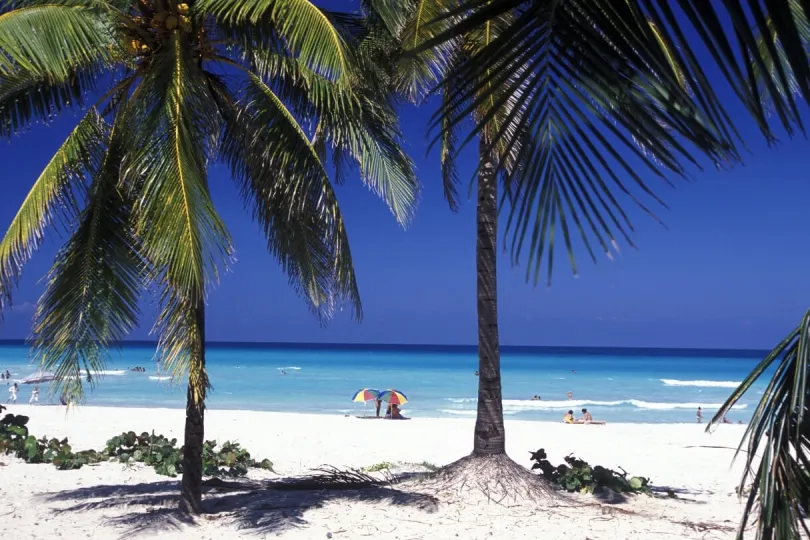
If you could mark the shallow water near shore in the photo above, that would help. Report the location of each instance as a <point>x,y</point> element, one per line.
<point>616,385</point>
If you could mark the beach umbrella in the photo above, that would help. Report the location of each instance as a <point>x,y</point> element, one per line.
<point>366,394</point>
<point>393,397</point>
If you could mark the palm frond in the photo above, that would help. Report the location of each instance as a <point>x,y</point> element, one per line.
<point>53,193</point>
<point>91,297</point>
<point>359,121</point>
<point>585,83</point>
<point>779,434</point>
<point>772,51</point>
<point>26,97</point>
<point>304,27</point>
<point>51,40</point>
<point>173,126</point>
<point>419,72</point>
<point>284,183</point>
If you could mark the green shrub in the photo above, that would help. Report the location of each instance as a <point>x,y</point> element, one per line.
<point>381,466</point>
<point>156,451</point>
<point>576,475</point>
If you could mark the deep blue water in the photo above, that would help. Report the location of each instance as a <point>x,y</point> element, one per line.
<point>616,385</point>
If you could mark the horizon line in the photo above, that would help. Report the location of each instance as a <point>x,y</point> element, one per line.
<point>435,346</point>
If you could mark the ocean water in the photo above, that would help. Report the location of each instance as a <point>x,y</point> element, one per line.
<point>616,385</point>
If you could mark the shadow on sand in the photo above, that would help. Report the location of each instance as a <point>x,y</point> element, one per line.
<point>258,507</point>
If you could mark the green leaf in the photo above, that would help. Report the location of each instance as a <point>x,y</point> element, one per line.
<point>303,26</point>
<point>52,40</point>
<point>53,193</point>
<point>91,296</point>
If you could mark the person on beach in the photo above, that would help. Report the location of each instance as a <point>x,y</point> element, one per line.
<point>392,412</point>
<point>700,415</point>
<point>568,418</point>
<point>34,396</point>
<point>377,405</point>
<point>586,416</point>
<point>12,394</point>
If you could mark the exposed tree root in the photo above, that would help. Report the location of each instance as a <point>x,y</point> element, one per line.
<point>496,477</point>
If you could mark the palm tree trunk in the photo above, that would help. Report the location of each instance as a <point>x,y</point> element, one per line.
<point>191,485</point>
<point>489,428</point>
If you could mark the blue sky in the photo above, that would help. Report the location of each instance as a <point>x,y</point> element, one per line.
<point>729,271</point>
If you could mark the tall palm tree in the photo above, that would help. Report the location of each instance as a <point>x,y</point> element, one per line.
<point>416,77</point>
<point>279,90</point>
<point>598,94</point>
<point>760,50</point>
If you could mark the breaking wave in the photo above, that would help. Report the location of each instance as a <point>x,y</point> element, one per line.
<point>705,384</point>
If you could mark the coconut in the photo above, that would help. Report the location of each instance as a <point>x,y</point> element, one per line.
<point>172,22</point>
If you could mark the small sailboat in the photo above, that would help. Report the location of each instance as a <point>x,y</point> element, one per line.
<point>38,378</point>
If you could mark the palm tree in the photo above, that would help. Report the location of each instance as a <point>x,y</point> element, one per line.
<point>415,78</point>
<point>556,159</point>
<point>276,89</point>
<point>584,47</point>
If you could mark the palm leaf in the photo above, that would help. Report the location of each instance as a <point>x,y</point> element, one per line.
<point>305,28</point>
<point>91,296</point>
<point>418,73</point>
<point>26,97</point>
<point>173,125</point>
<point>51,40</point>
<point>779,433</point>
<point>586,83</point>
<point>53,193</point>
<point>284,183</point>
<point>357,121</point>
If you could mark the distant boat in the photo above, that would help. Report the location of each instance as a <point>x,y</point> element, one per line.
<point>38,378</point>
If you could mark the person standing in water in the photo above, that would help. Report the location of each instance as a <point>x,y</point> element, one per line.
<point>12,394</point>
<point>700,415</point>
<point>34,396</point>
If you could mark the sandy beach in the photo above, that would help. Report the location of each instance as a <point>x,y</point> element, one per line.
<point>112,500</point>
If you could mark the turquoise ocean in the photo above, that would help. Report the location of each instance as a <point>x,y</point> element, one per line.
<point>616,385</point>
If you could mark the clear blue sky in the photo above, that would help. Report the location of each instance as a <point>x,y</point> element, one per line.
<point>730,271</point>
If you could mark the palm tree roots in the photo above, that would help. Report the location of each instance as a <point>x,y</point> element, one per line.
<point>495,477</point>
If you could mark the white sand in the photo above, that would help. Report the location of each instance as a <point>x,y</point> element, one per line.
<point>113,500</point>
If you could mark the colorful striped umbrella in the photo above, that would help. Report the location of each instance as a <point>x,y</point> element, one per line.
<point>366,394</point>
<point>393,397</point>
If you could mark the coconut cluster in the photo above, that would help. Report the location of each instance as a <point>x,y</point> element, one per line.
<point>155,19</point>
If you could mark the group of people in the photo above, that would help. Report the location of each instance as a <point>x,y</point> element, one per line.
<point>6,376</point>
<point>139,369</point>
<point>392,412</point>
<point>14,389</point>
<point>586,418</point>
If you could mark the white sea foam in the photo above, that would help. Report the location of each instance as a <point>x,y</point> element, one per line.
<point>468,412</point>
<point>114,372</point>
<point>160,378</point>
<point>518,405</point>
<point>293,368</point>
<point>462,400</point>
<point>710,384</point>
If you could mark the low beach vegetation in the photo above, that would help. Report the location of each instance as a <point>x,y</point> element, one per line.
<point>162,454</point>
<point>579,476</point>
